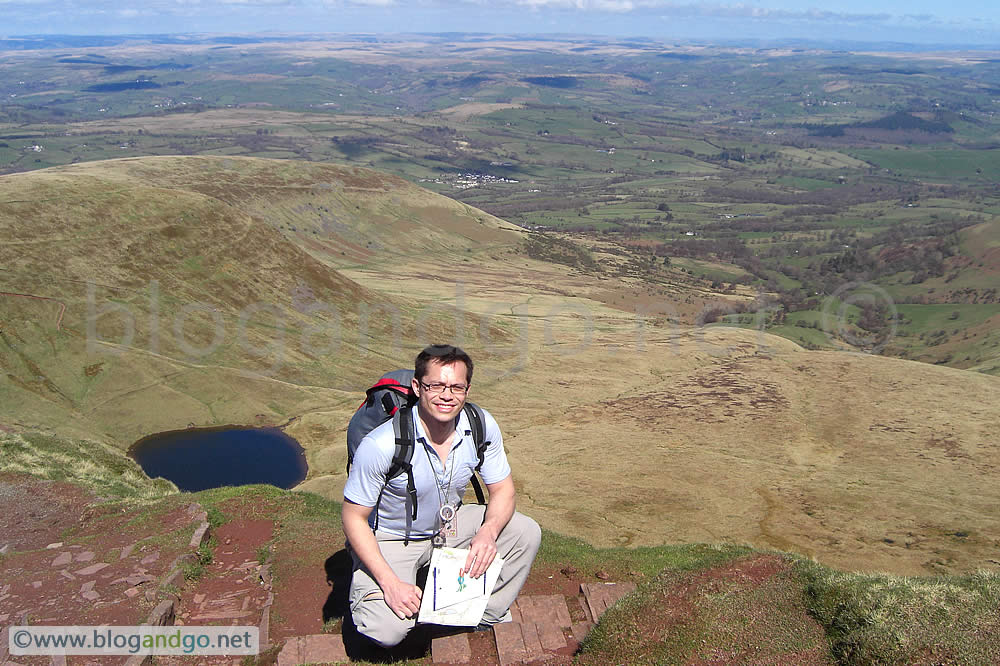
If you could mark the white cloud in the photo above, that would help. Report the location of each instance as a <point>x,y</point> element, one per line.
<point>583,5</point>
<point>667,8</point>
<point>364,3</point>
<point>258,3</point>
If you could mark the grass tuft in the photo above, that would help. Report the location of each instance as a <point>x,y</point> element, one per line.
<point>92,465</point>
<point>883,619</point>
<point>206,555</point>
<point>215,517</point>
<point>649,561</point>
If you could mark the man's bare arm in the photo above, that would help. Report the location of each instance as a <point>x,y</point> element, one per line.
<point>400,596</point>
<point>483,548</point>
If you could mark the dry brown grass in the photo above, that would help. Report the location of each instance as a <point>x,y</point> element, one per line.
<point>629,436</point>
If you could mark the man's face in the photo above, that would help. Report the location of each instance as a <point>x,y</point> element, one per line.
<point>445,406</point>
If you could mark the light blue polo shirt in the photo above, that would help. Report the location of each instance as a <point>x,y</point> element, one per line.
<point>374,457</point>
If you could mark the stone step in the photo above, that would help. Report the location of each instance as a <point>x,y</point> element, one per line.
<point>547,609</point>
<point>510,643</point>
<point>601,596</point>
<point>451,649</point>
<point>537,630</point>
<point>538,633</point>
<point>580,631</point>
<point>314,649</point>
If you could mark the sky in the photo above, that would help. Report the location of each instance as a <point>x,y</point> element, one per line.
<point>954,22</point>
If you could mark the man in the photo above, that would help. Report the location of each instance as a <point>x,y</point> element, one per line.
<point>384,598</point>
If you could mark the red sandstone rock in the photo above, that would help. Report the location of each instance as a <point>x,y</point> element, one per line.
<point>317,648</point>
<point>451,649</point>
<point>92,569</point>
<point>63,559</point>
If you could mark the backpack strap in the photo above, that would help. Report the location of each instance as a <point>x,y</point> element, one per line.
<point>402,427</point>
<point>477,424</point>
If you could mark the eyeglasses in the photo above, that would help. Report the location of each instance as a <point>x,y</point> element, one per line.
<point>436,388</point>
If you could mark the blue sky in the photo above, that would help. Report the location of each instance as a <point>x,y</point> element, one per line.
<point>971,22</point>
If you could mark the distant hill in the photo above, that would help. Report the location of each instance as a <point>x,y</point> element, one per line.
<point>899,121</point>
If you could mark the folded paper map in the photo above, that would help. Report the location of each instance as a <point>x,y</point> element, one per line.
<point>453,599</point>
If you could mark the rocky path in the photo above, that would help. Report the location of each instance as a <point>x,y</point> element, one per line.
<point>108,567</point>
<point>544,627</point>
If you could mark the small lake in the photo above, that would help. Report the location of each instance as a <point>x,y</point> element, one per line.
<point>201,458</point>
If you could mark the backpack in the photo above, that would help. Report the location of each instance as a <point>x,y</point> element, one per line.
<point>391,398</point>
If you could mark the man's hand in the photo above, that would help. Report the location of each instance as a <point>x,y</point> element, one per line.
<point>483,548</point>
<point>402,598</point>
<point>482,552</point>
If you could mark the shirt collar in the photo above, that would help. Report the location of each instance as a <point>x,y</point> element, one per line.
<point>462,427</point>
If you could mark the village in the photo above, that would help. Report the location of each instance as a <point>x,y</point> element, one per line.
<point>463,181</point>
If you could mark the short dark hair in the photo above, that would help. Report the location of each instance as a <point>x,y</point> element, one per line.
<point>443,354</point>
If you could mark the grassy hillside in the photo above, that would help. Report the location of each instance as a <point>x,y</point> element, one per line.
<point>624,427</point>
<point>142,295</point>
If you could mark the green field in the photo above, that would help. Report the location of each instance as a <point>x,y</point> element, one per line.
<point>951,166</point>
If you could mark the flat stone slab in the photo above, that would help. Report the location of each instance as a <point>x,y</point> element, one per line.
<point>451,649</point>
<point>139,579</point>
<point>200,536</point>
<point>510,643</point>
<point>551,636</point>
<point>544,609</point>
<point>580,631</point>
<point>163,615</point>
<point>532,644</point>
<point>92,569</point>
<point>314,649</point>
<point>601,596</point>
<point>63,559</point>
<point>224,615</point>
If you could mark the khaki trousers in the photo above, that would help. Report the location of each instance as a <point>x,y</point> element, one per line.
<point>517,545</point>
